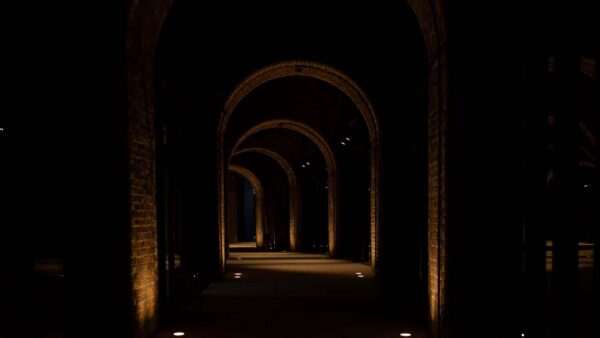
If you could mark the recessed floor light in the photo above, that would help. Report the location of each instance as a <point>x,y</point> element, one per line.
<point>405,335</point>
<point>178,334</point>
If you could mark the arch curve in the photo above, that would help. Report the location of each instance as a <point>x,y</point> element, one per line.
<point>330,161</point>
<point>144,22</point>
<point>294,191</point>
<point>259,202</point>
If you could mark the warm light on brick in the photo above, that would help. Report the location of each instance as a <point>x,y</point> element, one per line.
<point>294,198</point>
<point>259,201</point>
<point>353,91</point>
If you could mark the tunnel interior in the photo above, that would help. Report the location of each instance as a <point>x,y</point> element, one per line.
<point>238,169</point>
<point>335,198</point>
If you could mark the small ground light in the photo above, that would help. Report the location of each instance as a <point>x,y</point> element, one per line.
<point>359,273</point>
<point>178,334</point>
<point>406,335</point>
<point>238,273</point>
<point>522,335</point>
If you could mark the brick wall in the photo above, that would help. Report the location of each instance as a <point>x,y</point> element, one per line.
<point>144,25</point>
<point>430,16</point>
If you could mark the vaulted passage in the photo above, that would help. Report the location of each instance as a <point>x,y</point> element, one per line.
<point>448,151</point>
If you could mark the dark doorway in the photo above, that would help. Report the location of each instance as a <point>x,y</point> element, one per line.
<point>246,212</point>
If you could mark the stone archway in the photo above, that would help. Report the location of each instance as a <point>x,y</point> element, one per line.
<point>143,27</point>
<point>344,84</point>
<point>330,162</point>
<point>294,191</point>
<point>259,202</point>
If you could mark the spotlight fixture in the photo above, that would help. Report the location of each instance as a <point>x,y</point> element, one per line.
<point>343,143</point>
<point>405,334</point>
<point>347,139</point>
<point>178,334</point>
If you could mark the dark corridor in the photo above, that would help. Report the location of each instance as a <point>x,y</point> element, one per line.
<point>232,170</point>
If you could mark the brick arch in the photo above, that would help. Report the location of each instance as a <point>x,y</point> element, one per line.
<point>330,162</point>
<point>304,69</point>
<point>343,83</point>
<point>431,19</point>
<point>294,191</point>
<point>259,203</point>
<point>144,24</point>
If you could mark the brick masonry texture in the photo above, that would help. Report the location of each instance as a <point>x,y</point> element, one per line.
<point>145,20</point>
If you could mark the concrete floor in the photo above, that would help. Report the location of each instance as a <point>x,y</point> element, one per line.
<point>280,294</point>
